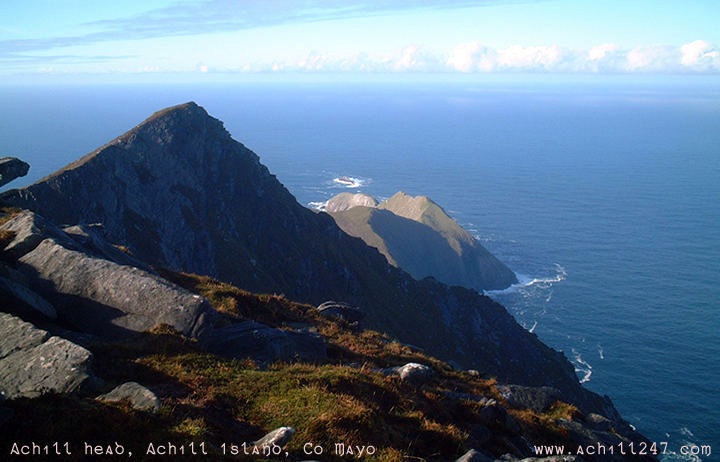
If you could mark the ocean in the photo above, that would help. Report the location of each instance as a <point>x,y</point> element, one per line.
<point>603,195</point>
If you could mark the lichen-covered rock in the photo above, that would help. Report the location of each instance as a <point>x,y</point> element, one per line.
<point>140,398</point>
<point>250,339</point>
<point>11,168</point>
<point>278,437</point>
<point>32,363</point>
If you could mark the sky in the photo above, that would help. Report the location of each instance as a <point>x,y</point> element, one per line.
<point>149,40</point>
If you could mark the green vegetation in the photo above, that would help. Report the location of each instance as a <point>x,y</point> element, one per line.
<point>215,400</point>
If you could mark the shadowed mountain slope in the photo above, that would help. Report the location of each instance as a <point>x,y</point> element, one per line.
<point>179,192</point>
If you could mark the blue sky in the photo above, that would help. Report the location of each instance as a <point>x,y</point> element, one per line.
<point>151,39</point>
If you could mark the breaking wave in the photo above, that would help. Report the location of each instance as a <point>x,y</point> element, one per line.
<point>318,205</point>
<point>349,181</point>
<point>582,366</point>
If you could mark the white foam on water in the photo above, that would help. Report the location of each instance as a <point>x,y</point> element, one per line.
<point>582,366</point>
<point>318,205</point>
<point>532,329</point>
<point>350,181</point>
<point>601,352</point>
<point>525,281</point>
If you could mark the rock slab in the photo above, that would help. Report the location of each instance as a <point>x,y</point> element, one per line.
<point>33,363</point>
<point>98,295</point>
<point>11,168</point>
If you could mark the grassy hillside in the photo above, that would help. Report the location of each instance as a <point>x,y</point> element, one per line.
<point>214,400</point>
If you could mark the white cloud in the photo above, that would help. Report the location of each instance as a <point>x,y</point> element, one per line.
<point>474,57</point>
<point>701,55</point>
<point>656,58</point>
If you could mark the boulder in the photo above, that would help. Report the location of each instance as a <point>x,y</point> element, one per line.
<point>250,339</point>
<point>341,310</point>
<point>140,398</point>
<point>538,399</point>
<point>11,168</point>
<point>474,456</point>
<point>278,437</point>
<point>31,364</point>
<point>413,373</point>
<point>104,298</point>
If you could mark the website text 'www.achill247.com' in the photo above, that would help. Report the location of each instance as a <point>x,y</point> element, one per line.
<point>623,449</point>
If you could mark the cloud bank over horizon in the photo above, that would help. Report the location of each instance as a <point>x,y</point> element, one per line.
<point>697,57</point>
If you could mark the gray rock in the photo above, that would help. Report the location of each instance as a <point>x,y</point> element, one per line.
<point>32,364</point>
<point>140,398</point>
<point>474,456</point>
<point>493,415</point>
<point>341,310</point>
<point>30,230</point>
<point>16,335</point>
<point>539,399</point>
<point>599,422</point>
<point>101,297</point>
<point>414,373</point>
<point>278,437</point>
<point>28,297</point>
<point>250,339</point>
<point>11,168</point>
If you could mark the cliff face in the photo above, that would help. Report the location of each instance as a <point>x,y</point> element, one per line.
<point>415,234</point>
<point>179,192</point>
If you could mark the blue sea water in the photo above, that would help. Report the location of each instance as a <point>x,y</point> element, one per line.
<point>603,196</point>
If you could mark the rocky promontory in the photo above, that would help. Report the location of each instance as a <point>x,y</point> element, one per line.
<point>417,235</point>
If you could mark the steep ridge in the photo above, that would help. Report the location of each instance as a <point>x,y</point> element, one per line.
<point>179,192</point>
<point>417,235</point>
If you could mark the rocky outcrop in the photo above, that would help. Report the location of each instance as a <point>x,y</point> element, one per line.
<point>33,363</point>
<point>539,399</point>
<point>139,397</point>
<point>265,344</point>
<point>415,234</point>
<point>413,373</point>
<point>11,168</point>
<point>97,295</point>
<point>278,437</point>
<point>345,201</point>
<point>341,310</point>
<point>178,192</point>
